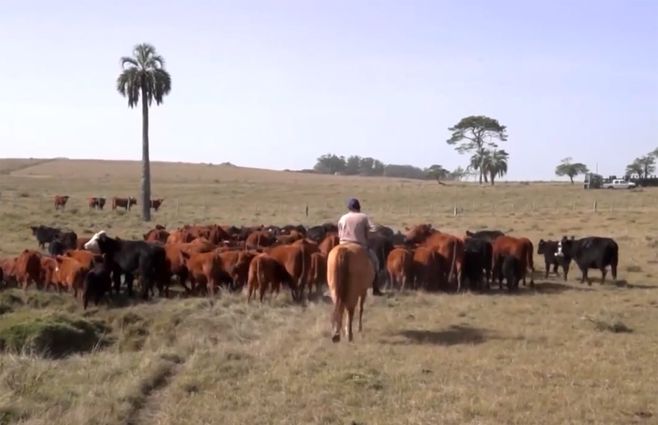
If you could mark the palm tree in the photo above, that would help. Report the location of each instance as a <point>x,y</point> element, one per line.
<point>495,164</point>
<point>144,74</point>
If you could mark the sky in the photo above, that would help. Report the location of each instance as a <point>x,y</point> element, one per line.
<point>276,84</point>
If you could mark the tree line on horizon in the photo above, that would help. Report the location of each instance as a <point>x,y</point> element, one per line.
<point>475,134</point>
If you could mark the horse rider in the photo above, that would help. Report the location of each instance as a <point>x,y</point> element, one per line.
<point>353,227</point>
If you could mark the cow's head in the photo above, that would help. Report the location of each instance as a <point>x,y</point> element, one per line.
<point>34,229</point>
<point>541,246</point>
<point>96,243</point>
<point>132,201</point>
<point>564,247</point>
<point>419,233</point>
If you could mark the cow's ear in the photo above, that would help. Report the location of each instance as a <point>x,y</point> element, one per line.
<point>573,237</point>
<point>541,241</point>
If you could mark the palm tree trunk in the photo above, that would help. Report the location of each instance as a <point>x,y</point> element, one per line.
<point>571,177</point>
<point>492,175</point>
<point>146,166</point>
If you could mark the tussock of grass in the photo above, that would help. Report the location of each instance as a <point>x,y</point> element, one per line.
<point>49,336</point>
<point>609,324</point>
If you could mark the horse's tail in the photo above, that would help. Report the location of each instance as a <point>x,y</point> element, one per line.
<point>341,273</point>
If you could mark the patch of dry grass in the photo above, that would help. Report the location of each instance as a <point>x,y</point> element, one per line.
<point>561,353</point>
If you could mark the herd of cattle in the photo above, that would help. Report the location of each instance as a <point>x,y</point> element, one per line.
<point>96,202</point>
<point>205,258</point>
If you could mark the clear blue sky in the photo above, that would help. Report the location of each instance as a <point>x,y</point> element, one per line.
<point>275,84</point>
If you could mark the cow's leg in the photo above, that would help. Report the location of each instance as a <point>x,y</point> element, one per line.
<point>350,319</point>
<point>613,269</point>
<point>604,271</point>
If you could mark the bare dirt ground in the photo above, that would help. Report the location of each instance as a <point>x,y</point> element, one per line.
<point>559,353</point>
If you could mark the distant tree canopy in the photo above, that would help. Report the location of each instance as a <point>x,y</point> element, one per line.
<point>355,165</point>
<point>643,166</point>
<point>571,169</point>
<point>477,135</point>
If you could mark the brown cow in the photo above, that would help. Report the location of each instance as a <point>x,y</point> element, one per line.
<point>176,255</point>
<point>236,264</point>
<point>123,202</point>
<point>266,272</point>
<point>399,266</point>
<point>259,239</point>
<point>425,265</point>
<point>156,235</point>
<point>47,274</point>
<point>96,202</point>
<point>205,268</point>
<point>520,248</point>
<point>179,236</point>
<point>155,203</point>
<point>318,275</point>
<point>61,200</point>
<point>8,266</point>
<point>296,260</point>
<point>327,244</point>
<point>86,258</point>
<point>69,273</point>
<point>28,268</point>
<point>449,248</point>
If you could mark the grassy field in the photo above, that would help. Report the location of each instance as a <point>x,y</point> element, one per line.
<point>559,353</point>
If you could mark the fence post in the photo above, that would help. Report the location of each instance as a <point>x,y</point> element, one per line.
<point>594,207</point>
<point>454,211</point>
<point>306,210</point>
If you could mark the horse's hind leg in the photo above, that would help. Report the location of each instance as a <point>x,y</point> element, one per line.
<point>350,318</point>
<point>361,303</point>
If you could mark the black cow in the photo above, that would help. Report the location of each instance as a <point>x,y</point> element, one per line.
<point>45,234</point>
<point>97,283</point>
<point>316,233</point>
<point>512,270</point>
<point>592,252</point>
<point>381,246</point>
<point>56,247</point>
<point>478,254</point>
<point>487,235</point>
<point>548,250</point>
<point>132,257</point>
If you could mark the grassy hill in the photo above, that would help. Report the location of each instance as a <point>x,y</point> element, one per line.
<point>559,353</point>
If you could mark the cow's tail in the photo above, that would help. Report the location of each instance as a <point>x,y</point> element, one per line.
<point>302,278</point>
<point>453,261</point>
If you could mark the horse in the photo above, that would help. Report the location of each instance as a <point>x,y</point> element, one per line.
<point>349,275</point>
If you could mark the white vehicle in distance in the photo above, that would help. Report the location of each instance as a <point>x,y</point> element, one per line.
<point>619,184</point>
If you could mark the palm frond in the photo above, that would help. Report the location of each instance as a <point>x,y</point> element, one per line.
<point>128,60</point>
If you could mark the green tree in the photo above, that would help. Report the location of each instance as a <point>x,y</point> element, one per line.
<point>634,168</point>
<point>475,134</point>
<point>648,164</point>
<point>458,174</point>
<point>571,169</point>
<point>330,164</point>
<point>437,172</point>
<point>144,76</point>
<point>494,164</point>
<point>353,165</point>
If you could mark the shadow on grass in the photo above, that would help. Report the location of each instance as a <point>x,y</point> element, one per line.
<point>454,335</point>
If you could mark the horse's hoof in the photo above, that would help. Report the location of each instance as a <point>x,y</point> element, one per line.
<point>335,338</point>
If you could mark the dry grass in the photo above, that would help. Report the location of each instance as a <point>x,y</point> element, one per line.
<point>563,353</point>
